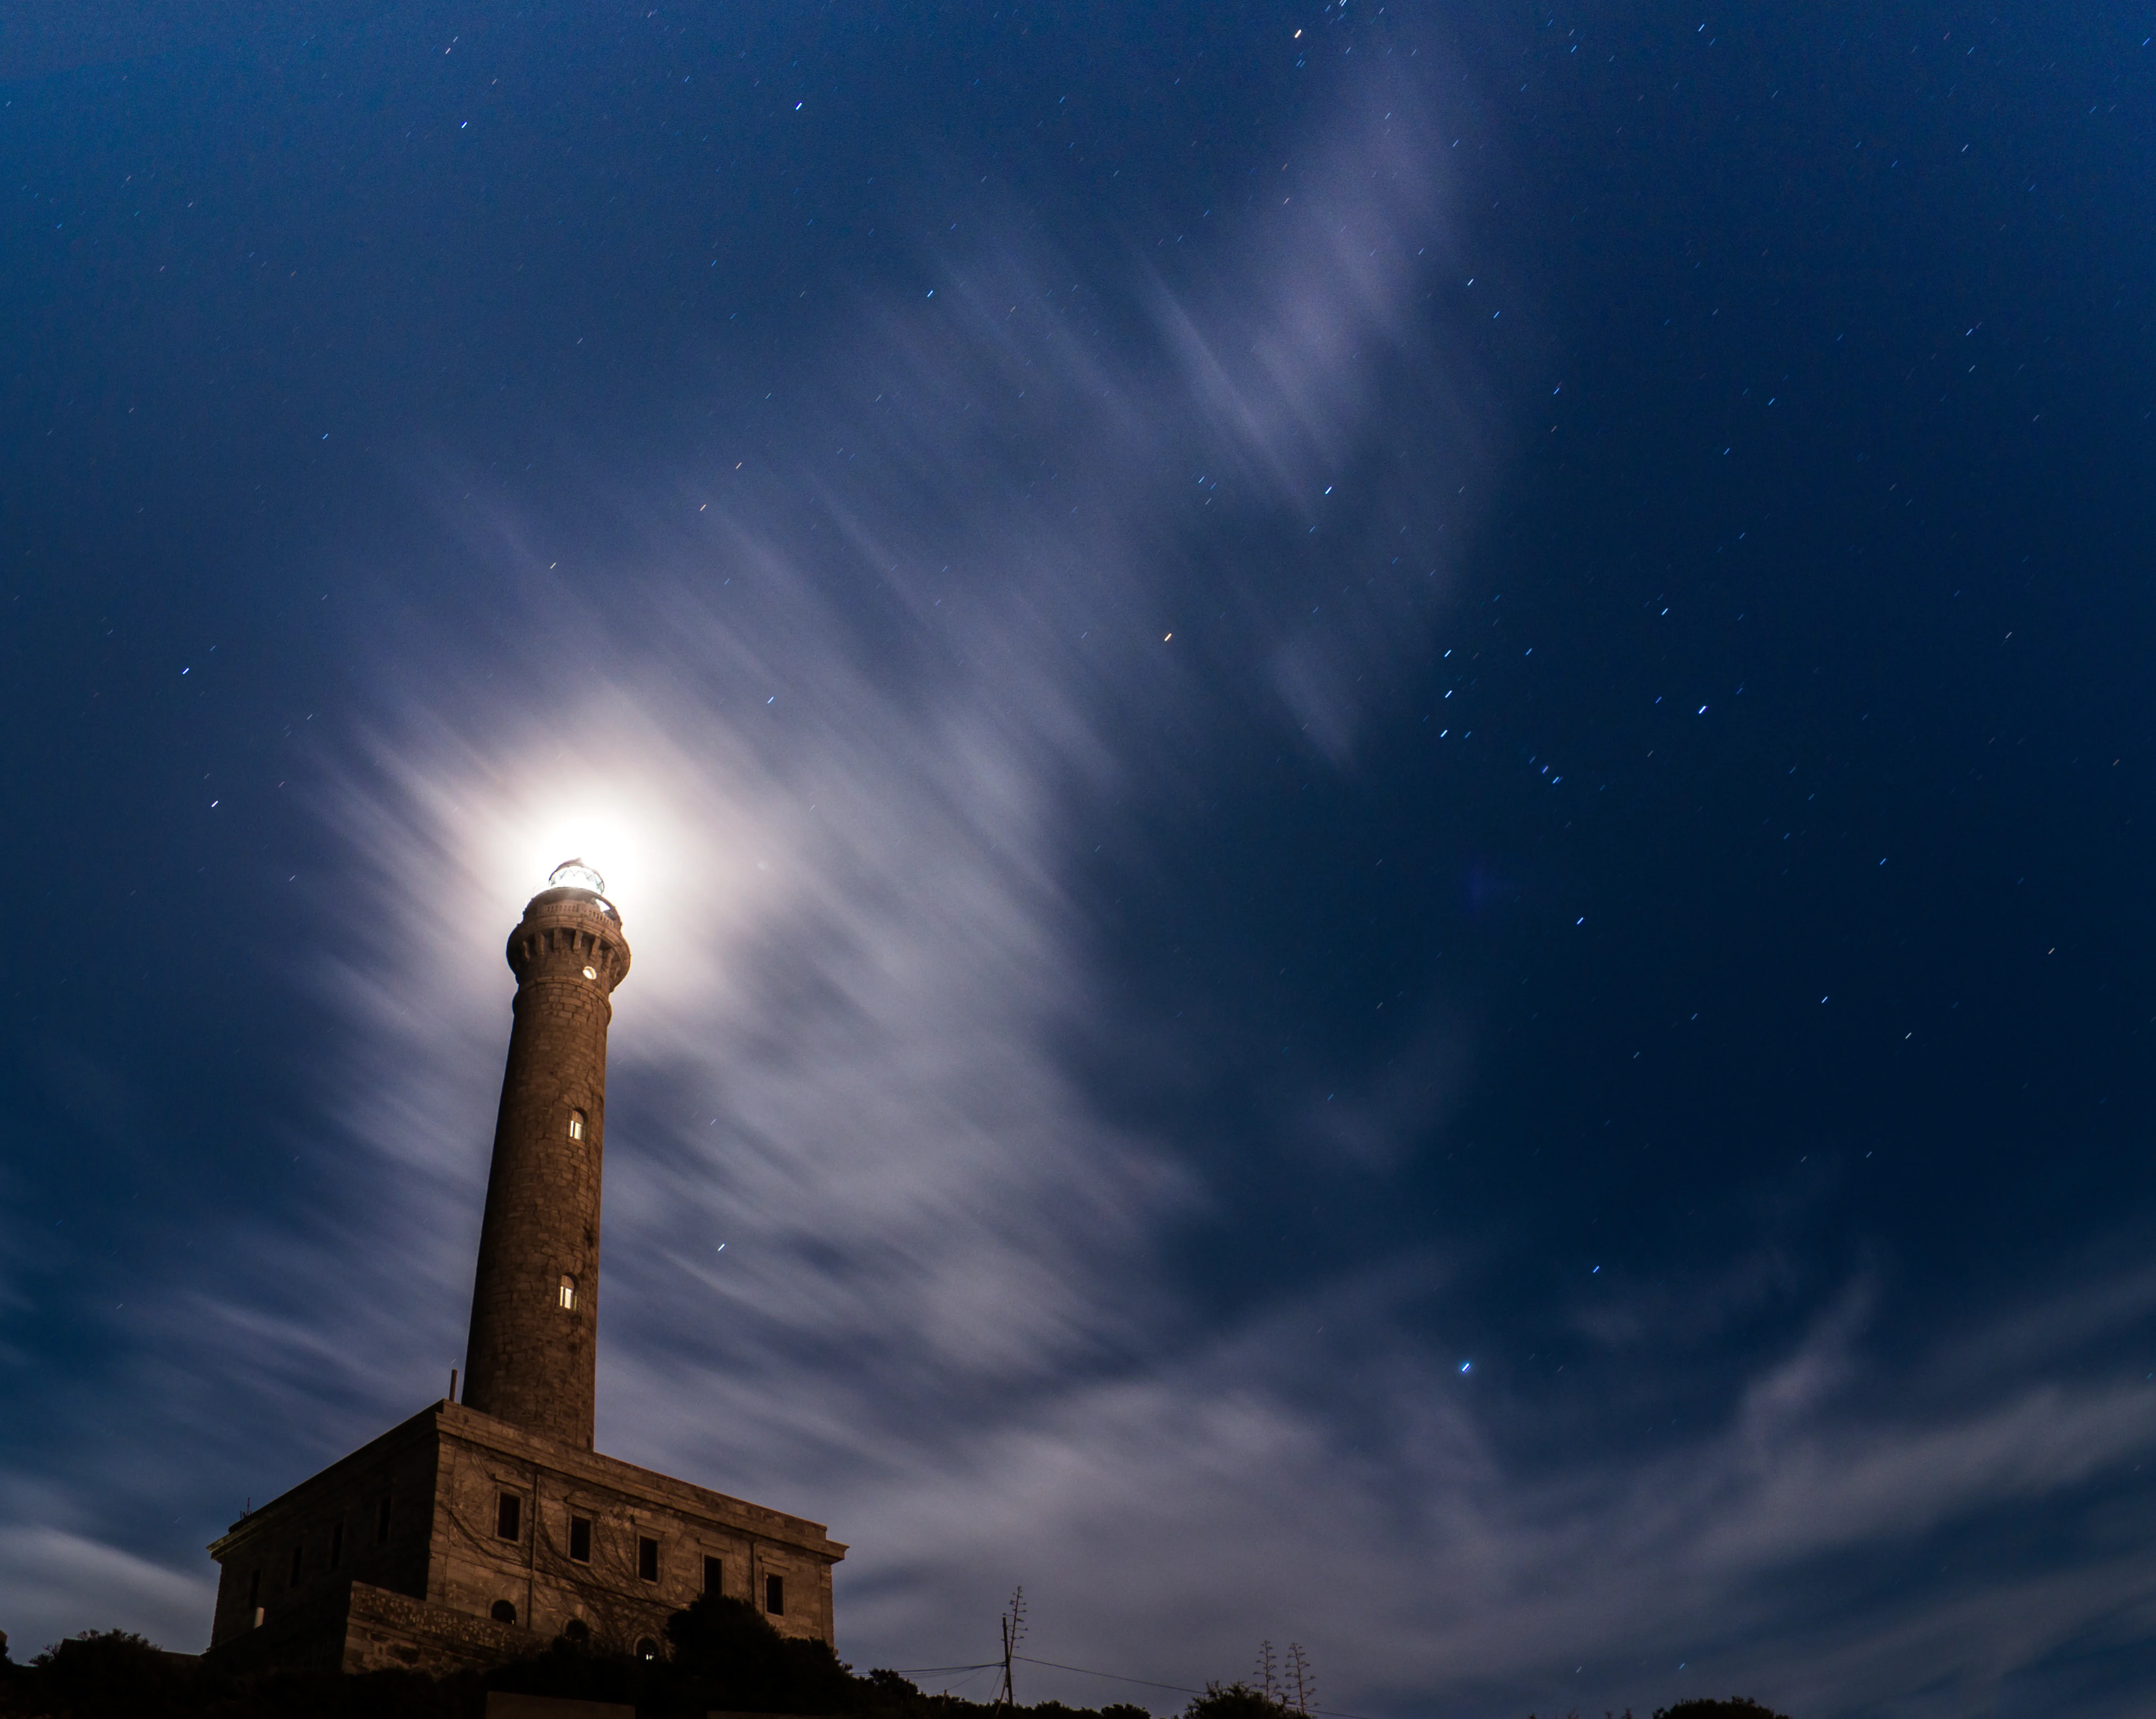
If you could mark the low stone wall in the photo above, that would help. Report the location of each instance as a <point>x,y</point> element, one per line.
<point>385,1631</point>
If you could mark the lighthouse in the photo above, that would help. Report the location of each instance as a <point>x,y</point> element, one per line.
<point>477,1532</point>
<point>532,1357</point>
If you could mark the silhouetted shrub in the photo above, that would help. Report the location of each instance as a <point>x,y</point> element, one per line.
<point>108,1670</point>
<point>723,1655</point>
<point>745,1666</point>
<point>1736,1707</point>
<point>114,1675</point>
<point>1238,1701</point>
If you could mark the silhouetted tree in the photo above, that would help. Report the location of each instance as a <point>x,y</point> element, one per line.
<point>108,1669</point>
<point>1606,1714</point>
<point>1736,1707</point>
<point>1237,1700</point>
<point>114,1675</point>
<point>723,1655</point>
<point>729,1647</point>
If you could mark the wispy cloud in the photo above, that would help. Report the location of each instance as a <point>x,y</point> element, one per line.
<point>844,715</point>
<point>52,1582</point>
<point>841,728</point>
<point>1318,1471</point>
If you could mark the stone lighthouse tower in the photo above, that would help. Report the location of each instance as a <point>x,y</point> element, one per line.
<point>533,1352</point>
<point>481,1531</point>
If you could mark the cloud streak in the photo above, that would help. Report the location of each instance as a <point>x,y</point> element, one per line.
<point>844,719</point>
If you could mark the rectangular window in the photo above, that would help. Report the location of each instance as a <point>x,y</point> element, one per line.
<point>509,1516</point>
<point>253,1589</point>
<point>382,1524</point>
<point>580,1539</point>
<point>713,1570</point>
<point>774,1595</point>
<point>647,1558</point>
<point>298,1553</point>
<point>337,1542</point>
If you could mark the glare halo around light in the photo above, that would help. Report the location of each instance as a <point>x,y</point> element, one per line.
<point>602,834</point>
<point>629,836</point>
<point>700,845</point>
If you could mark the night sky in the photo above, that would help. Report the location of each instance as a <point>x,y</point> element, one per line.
<point>1384,775</point>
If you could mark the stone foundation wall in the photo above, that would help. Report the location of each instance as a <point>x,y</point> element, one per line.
<point>444,1475</point>
<point>386,1631</point>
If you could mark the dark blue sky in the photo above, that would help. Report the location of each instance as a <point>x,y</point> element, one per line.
<point>1383,794</point>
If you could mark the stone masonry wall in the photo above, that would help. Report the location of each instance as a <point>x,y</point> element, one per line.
<point>384,1631</point>
<point>619,1598</point>
<point>370,1515</point>
<point>532,1356</point>
<point>444,1475</point>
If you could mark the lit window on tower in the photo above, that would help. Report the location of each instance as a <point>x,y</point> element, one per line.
<point>568,1292</point>
<point>575,1124</point>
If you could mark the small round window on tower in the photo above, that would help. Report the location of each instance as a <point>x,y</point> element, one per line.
<point>575,1124</point>
<point>568,1292</point>
<point>591,973</point>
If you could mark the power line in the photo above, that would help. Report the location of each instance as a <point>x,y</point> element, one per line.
<point>923,1671</point>
<point>1179,1688</point>
<point>959,1686</point>
<point>1088,1671</point>
<point>1013,1625</point>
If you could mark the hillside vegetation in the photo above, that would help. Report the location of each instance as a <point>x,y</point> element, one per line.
<point>722,1656</point>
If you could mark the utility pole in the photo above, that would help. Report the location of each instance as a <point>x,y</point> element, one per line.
<point>1013,1623</point>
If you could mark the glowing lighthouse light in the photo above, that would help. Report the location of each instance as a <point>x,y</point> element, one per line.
<point>575,874</point>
